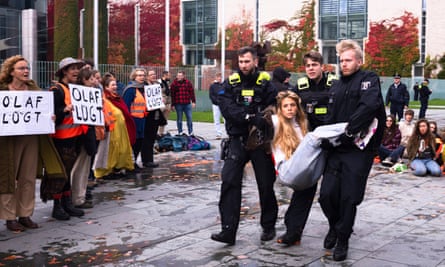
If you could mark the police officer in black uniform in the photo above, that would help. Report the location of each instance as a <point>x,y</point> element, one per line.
<point>398,96</point>
<point>422,92</point>
<point>246,93</point>
<point>313,90</point>
<point>357,100</point>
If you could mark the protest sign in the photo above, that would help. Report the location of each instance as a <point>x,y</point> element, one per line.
<point>26,112</point>
<point>153,96</point>
<point>87,105</point>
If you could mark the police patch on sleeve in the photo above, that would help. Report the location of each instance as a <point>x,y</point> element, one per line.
<point>365,85</point>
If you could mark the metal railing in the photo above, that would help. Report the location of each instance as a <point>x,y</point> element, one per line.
<point>43,74</point>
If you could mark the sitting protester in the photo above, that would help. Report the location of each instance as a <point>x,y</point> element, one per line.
<point>390,150</point>
<point>421,150</point>
<point>439,144</point>
<point>406,127</point>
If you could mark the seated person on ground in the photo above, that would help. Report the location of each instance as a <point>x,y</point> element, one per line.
<point>390,149</point>
<point>421,151</point>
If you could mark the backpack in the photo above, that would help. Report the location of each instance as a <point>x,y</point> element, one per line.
<point>165,143</point>
<point>180,143</point>
<point>197,143</point>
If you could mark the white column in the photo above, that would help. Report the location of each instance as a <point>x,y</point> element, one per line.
<point>29,38</point>
<point>167,35</point>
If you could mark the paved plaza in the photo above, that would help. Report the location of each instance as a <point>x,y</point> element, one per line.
<point>164,217</point>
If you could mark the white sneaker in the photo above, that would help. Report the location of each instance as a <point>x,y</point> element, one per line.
<point>387,162</point>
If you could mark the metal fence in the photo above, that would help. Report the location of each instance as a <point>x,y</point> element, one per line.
<point>202,77</point>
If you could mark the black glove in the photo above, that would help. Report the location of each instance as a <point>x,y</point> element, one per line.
<point>344,139</point>
<point>258,121</point>
<point>325,144</point>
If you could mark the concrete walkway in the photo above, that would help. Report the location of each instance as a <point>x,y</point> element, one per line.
<point>164,217</point>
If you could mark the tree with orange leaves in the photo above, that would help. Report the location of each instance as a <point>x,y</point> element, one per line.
<point>298,38</point>
<point>392,46</point>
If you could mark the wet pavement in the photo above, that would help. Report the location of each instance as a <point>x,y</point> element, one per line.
<point>164,217</point>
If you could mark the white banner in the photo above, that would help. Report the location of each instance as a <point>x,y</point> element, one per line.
<point>26,112</point>
<point>153,96</point>
<point>87,105</point>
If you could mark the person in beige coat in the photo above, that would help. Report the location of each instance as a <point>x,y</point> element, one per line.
<point>19,160</point>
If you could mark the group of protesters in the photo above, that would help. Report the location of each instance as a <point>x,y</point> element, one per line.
<point>101,139</point>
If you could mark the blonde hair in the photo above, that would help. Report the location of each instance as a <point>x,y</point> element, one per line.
<point>285,137</point>
<point>133,73</point>
<point>348,44</point>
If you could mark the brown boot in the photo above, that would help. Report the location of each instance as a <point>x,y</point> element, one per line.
<point>28,223</point>
<point>15,226</point>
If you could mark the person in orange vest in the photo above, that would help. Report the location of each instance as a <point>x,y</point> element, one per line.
<point>134,99</point>
<point>68,136</point>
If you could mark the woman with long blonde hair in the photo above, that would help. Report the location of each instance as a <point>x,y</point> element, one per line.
<point>290,125</point>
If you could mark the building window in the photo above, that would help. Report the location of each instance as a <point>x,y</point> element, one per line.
<point>342,19</point>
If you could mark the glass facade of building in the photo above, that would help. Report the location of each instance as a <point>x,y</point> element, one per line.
<point>199,29</point>
<point>11,27</point>
<point>341,19</point>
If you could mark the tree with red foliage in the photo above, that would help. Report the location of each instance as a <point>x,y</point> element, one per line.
<point>152,33</point>
<point>392,46</point>
<point>239,32</point>
<point>298,38</point>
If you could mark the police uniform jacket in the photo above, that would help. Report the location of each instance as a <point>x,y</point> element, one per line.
<point>357,100</point>
<point>315,99</point>
<point>244,95</point>
<point>397,95</point>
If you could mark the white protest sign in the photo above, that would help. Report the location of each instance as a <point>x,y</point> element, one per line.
<point>87,105</point>
<point>153,96</point>
<point>26,112</point>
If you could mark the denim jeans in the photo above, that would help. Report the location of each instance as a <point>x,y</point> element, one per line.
<point>422,166</point>
<point>395,154</point>
<point>187,109</point>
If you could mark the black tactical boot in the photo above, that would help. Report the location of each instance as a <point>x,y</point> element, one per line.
<point>331,239</point>
<point>227,235</point>
<point>68,206</point>
<point>58,212</point>
<point>341,250</point>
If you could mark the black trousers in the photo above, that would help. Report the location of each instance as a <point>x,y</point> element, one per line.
<point>298,211</point>
<point>343,187</point>
<point>423,107</point>
<point>232,175</point>
<point>150,131</point>
<point>397,110</point>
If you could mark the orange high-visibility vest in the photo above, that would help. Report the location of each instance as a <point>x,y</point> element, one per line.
<point>67,128</point>
<point>138,108</point>
<point>109,118</point>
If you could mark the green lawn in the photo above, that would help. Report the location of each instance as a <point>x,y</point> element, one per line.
<point>432,102</point>
<point>198,116</point>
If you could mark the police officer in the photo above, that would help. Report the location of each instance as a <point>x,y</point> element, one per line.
<point>246,93</point>
<point>398,96</point>
<point>357,100</point>
<point>422,92</point>
<point>313,90</point>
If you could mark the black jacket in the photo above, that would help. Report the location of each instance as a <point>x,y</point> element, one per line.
<point>234,106</point>
<point>315,101</point>
<point>357,100</point>
<point>215,89</point>
<point>397,96</point>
